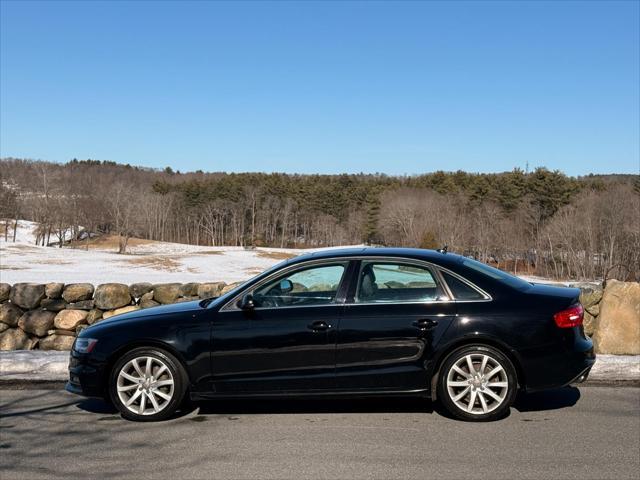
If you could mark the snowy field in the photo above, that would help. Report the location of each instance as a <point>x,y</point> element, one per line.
<point>145,261</point>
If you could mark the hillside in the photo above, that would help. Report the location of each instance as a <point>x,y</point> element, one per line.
<point>538,223</point>
<point>147,261</point>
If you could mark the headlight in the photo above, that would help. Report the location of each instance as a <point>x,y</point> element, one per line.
<point>84,345</point>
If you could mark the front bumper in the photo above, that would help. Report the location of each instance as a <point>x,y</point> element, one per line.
<point>85,376</point>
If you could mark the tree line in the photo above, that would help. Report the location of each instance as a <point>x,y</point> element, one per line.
<point>542,222</point>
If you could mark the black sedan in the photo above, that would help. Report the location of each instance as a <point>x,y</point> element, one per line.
<point>354,322</point>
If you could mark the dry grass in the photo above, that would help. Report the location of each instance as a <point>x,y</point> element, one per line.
<point>253,271</point>
<point>108,242</point>
<point>18,249</point>
<point>208,252</point>
<point>49,261</point>
<point>276,255</point>
<point>156,262</point>
<point>10,267</point>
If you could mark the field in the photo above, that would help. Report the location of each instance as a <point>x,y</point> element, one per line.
<point>145,260</point>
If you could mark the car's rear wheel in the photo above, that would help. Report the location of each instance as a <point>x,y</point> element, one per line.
<point>477,383</point>
<point>147,384</point>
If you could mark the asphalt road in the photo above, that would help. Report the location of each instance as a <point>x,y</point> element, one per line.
<point>591,432</point>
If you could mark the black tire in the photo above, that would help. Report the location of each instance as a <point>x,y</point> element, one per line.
<point>482,387</point>
<point>174,372</point>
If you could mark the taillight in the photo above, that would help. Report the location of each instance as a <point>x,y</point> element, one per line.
<point>571,317</point>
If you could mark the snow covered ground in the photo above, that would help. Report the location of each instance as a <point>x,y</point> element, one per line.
<point>25,233</point>
<point>145,261</point>
<point>34,365</point>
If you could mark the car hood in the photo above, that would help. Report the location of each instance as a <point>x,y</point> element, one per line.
<point>154,311</point>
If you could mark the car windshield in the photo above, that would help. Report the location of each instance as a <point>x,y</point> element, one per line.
<point>267,272</point>
<point>511,280</point>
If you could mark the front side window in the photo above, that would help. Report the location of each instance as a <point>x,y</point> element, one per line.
<point>316,285</point>
<point>383,282</point>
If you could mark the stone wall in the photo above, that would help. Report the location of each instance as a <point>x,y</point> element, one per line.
<point>617,324</point>
<point>590,297</point>
<point>612,316</point>
<point>49,316</point>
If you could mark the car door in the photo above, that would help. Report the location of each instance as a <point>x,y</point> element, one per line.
<point>286,341</point>
<point>396,310</point>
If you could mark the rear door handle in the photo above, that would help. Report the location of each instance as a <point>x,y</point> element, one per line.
<point>425,323</point>
<point>319,326</point>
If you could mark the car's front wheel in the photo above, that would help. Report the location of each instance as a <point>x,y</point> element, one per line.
<point>147,384</point>
<point>477,383</point>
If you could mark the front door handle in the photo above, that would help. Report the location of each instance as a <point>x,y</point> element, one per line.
<point>425,323</point>
<point>319,326</point>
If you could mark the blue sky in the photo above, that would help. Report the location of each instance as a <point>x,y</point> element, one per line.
<point>325,87</point>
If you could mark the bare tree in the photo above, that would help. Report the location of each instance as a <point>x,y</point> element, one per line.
<point>121,205</point>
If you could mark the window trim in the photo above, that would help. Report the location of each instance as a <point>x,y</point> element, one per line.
<point>353,263</point>
<point>485,295</point>
<point>231,305</point>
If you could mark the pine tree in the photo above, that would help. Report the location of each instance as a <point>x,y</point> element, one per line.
<point>372,205</point>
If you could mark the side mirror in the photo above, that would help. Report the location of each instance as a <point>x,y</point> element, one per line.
<point>286,286</point>
<point>246,302</point>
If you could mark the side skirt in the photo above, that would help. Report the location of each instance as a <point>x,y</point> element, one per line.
<point>325,394</point>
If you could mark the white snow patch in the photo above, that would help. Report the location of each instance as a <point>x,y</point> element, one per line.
<point>616,367</point>
<point>25,232</point>
<point>50,363</point>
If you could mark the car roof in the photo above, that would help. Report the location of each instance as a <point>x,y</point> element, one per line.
<point>433,256</point>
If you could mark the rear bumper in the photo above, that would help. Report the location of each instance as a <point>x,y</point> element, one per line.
<point>575,373</point>
<point>557,367</point>
<point>582,377</point>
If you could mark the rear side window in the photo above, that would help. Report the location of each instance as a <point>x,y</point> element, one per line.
<point>382,282</point>
<point>460,289</point>
<point>496,274</point>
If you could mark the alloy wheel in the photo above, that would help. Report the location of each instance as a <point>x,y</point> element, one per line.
<point>477,383</point>
<point>145,385</point>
